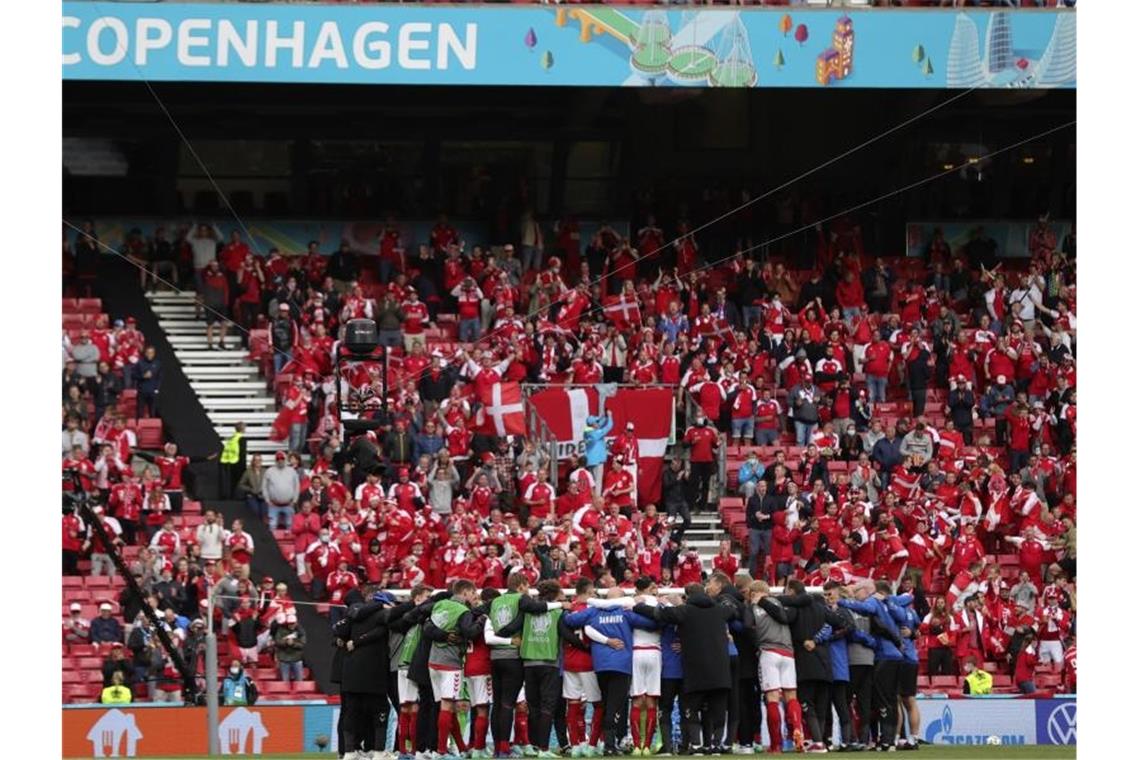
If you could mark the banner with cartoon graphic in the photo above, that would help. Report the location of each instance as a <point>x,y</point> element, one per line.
<point>569,45</point>
<point>154,730</point>
<point>151,730</point>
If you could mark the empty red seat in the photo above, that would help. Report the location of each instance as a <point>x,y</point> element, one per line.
<point>944,682</point>
<point>78,693</point>
<point>97,581</point>
<point>274,687</point>
<point>73,581</point>
<point>89,305</point>
<point>150,433</point>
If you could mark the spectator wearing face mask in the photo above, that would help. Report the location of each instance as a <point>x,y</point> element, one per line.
<point>321,559</point>
<point>703,441</point>
<point>238,688</point>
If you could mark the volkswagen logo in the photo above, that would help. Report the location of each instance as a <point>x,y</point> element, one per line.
<point>1062,724</point>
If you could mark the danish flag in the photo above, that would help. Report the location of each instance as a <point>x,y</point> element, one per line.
<point>502,412</point>
<point>622,312</point>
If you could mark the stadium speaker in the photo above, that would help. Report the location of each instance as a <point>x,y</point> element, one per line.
<point>360,336</point>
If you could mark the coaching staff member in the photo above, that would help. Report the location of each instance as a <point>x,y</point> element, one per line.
<point>808,616</point>
<point>700,625</point>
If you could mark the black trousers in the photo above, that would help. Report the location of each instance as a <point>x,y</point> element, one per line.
<point>543,687</point>
<point>670,692</point>
<point>681,510</point>
<point>885,699</point>
<point>815,696</point>
<point>918,400</point>
<point>506,680</point>
<point>70,563</point>
<point>362,720</point>
<point>705,712</point>
<point>749,706</point>
<point>940,661</point>
<point>146,402</point>
<point>427,721</point>
<point>733,713</point>
<point>702,473</point>
<point>840,697</point>
<point>615,706</point>
<point>862,678</point>
<point>560,719</point>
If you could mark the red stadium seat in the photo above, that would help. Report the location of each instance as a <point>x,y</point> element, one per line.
<point>89,305</point>
<point>149,433</point>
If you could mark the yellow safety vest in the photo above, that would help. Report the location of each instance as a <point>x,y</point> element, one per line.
<point>232,450</point>
<point>116,695</point>
<point>980,682</point>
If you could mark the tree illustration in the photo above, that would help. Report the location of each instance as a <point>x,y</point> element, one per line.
<point>785,25</point>
<point>547,60</point>
<point>928,68</point>
<point>919,54</point>
<point>531,39</point>
<point>778,61</point>
<point>801,34</point>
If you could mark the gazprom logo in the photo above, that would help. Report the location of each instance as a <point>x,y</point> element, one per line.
<point>941,731</point>
<point>1061,725</point>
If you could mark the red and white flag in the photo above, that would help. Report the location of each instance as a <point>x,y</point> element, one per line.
<point>502,411</point>
<point>564,410</point>
<point>721,331</point>
<point>621,311</point>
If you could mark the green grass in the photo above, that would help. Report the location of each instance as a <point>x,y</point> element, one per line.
<point>940,751</point>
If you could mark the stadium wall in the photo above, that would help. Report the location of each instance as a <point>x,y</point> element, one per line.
<point>584,45</point>
<point>155,730</point>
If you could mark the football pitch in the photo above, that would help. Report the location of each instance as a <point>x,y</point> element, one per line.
<point>940,751</point>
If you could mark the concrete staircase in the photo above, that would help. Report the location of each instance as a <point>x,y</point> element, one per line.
<point>706,534</point>
<point>228,385</point>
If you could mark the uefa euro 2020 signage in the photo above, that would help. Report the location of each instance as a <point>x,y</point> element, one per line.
<point>568,45</point>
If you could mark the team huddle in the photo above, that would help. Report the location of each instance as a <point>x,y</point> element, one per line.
<point>529,673</point>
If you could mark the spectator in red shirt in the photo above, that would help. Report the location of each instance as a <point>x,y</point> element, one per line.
<point>1025,665</point>
<point>703,441</point>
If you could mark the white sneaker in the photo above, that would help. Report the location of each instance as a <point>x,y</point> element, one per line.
<point>353,755</point>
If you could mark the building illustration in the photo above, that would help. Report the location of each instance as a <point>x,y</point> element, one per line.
<point>1058,64</point>
<point>999,45</point>
<point>735,67</point>
<point>836,62</point>
<point>964,62</point>
<point>239,729</point>
<point>114,730</point>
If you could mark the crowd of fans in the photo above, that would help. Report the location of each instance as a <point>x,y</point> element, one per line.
<point>944,390</point>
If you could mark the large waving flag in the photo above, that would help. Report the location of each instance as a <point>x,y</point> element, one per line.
<point>502,410</point>
<point>564,410</point>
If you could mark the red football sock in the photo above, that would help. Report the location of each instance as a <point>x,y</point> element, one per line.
<point>413,720</point>
<point>635,725</point>
<point>480,730</point>
<point>401,730</point>
<point>596,724</point>
<point>775,740</point>
<point>795,715</point>
<point>574,725</point>
<point>650,726</point>
<point>457,734</point>
<point>522,728</point>
<point>443,730</point>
